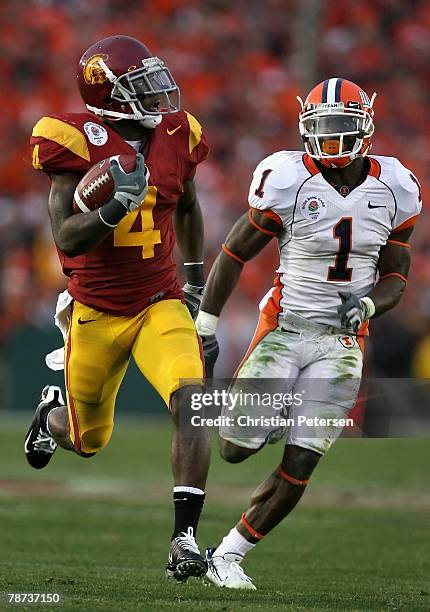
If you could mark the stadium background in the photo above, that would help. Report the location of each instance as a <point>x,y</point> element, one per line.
<point>239,65</point>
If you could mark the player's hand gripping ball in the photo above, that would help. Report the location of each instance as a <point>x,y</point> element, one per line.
<point>123,177</point>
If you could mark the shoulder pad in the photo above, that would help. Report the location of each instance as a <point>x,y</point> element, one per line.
<point>284,169</point>
<point>180,122</point>
<point>396,175</point>
<point>58,130</point>
<point>405,177</point>
<point>186,134</point>
<point>196,132</point>
<point>406,190</point>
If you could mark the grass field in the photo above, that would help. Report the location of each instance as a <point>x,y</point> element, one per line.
<point>97,531</point>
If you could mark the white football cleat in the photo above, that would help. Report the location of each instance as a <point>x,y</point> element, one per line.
<point>226,572</point>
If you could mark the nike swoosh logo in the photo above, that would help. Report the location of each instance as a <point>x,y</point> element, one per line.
<point>26,449</point>
<point>82,322</point>
<point>170,132</point>
<point>372,206</point>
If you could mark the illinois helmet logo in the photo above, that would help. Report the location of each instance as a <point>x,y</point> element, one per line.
<point>93,72</point>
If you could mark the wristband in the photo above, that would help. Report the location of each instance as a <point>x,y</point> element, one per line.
<point>112,212</point>
<point>195,273</point>
<point>206,323</point>
<point>105,222</point>
<point>193,289</point>
<point>369,307</point>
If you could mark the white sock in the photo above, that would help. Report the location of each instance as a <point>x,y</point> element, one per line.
<point>182,489</point>
<point>234,543</point>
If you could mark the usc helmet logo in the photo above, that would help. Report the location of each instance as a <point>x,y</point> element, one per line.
<point>93,72</point>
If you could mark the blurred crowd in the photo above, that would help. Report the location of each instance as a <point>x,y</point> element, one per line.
<point>234,62</point>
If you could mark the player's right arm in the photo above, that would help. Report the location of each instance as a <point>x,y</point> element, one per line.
<point>74,234</point>
<point>249,235</point>
<point>270,203</point>
<point>60,149</point>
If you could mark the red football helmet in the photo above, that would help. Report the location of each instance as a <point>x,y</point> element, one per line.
<point>336,122</point>
<point>120,79</point>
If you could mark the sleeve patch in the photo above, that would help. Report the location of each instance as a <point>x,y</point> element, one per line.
<point>195,132</point>
<point>63,134</point>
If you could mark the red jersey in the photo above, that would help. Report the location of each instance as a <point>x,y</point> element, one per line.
<point>133,266</point>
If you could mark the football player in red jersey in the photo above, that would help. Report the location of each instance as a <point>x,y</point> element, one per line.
<point>123,297</point>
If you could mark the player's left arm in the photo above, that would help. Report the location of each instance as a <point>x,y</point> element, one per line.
<point>188,222</point>
<point>393,266</point>
<point>394,257</point>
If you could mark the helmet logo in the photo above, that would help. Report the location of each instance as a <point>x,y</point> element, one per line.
<point>131,68</point>
<point>364,98</point>
<point>93,72</point>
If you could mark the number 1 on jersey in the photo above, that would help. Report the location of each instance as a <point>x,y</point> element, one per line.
<point>343,232</point>
<point>260,189</point>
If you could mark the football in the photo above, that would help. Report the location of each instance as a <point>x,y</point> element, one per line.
<point>96,187</point>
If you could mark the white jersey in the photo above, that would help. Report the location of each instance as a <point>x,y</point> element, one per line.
<point>329,242</point>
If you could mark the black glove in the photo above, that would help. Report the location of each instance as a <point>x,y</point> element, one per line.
<point>130,187</point>
<point>352,311</point>
<point>210,352</point>
<point>193,297</point>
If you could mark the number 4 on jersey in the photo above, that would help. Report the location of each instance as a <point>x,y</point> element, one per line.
<point>148,237</point>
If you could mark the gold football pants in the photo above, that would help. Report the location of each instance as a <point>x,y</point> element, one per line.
<point>164,343</point>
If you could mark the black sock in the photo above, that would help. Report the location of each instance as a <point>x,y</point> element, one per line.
<point>188,507</point>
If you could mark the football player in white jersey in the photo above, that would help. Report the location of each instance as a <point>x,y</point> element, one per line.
<point>343,221</point>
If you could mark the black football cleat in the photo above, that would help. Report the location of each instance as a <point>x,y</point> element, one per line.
<point>39,445</point>
<point>185,560</point>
